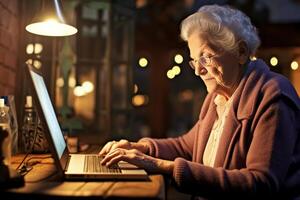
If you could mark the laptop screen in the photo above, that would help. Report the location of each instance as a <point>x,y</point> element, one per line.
<point>48,111</point>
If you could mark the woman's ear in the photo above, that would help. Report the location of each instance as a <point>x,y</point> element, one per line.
<point>243,52</point>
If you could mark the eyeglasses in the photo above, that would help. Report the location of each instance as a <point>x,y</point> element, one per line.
<point>203,60</point>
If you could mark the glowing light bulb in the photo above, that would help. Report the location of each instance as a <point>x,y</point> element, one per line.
<point>294,65</point>
<point>79,91</point>
<point>38,48</point>
<point>178,58</point>
<point>176,70</point>
<point>29,49</point>
<point>170,74</point>
<point>60,82</point>
<point>274,61</point>
<point>88,86</point>
<point>143,62</point>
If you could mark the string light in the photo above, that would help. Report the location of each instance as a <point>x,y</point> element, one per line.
<point>294,65</point>
<point>274,61</point>
<point>143,62</point>
<point>178,58</point>
<point>176,70</point>
<point>170,74</point>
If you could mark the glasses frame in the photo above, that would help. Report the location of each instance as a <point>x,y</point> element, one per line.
<point>203,60</point>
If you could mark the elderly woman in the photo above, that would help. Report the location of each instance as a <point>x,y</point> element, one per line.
<point>246,140</point>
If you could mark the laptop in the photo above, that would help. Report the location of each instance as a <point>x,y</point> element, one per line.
<point>73,166</point>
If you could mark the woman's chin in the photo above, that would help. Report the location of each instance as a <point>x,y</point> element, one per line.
<point>210,88</point>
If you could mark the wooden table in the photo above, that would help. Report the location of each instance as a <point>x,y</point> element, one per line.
<point>41,183</point>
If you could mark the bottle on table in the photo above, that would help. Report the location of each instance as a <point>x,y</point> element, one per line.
<point>33,140</point>
<point>5,130</point>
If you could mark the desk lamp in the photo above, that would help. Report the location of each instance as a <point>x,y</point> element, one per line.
<point>50,21</point>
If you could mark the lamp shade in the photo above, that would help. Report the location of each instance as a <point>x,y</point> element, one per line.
<point>50,21</point>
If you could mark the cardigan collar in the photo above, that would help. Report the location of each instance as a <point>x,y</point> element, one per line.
<point>243,92</point>
<point>247,91</point>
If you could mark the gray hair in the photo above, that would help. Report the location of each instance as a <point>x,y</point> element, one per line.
<point>224,26</point>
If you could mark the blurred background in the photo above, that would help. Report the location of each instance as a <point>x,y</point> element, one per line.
<point>125,73</point>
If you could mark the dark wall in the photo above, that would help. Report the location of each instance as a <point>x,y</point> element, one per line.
<point>9,39</point>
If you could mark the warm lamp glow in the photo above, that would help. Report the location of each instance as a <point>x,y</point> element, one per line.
<point>51,28</point>
<point>139,100</point>
<point>72,82</point>
<point>79,91</point>
<point>29,49</point>
<point>38,48</point>
<point>37,64</point>
<point>49,21</point>
<point>88,86</point>
<point>60,82</point>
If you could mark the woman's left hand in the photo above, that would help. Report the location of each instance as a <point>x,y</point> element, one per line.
<point>133,156</point>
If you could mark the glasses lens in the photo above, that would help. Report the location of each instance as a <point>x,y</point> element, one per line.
<point>204,60</point>
<point>192,65</point>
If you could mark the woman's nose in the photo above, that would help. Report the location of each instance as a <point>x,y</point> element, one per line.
<point>200,70</point>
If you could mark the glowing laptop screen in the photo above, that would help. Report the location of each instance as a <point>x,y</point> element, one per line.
<point>48,111</point>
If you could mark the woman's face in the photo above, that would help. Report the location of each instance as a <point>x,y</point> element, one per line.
<point>223,72</point>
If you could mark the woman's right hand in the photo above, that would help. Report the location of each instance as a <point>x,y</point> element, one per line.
<point>124,144</point>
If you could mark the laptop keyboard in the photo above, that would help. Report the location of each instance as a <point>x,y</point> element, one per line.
<point>92,164</point>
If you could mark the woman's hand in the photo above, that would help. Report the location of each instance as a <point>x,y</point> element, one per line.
<point>139,159</point>
<point>124,144</point>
